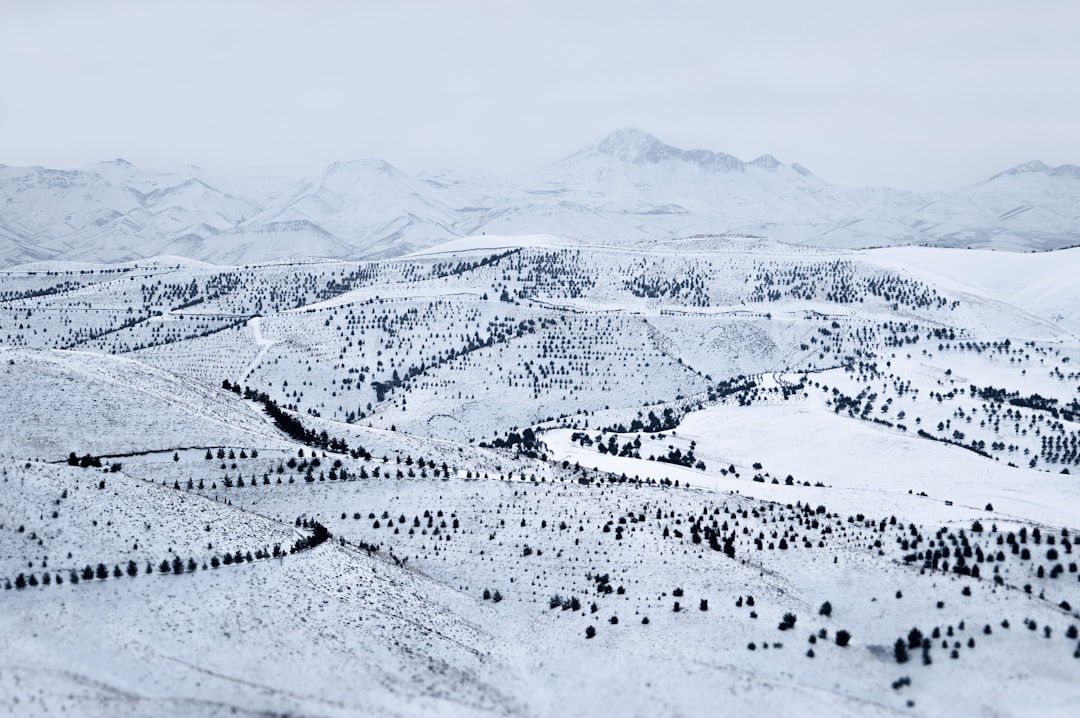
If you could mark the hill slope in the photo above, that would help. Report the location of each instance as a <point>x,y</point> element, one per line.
<point>538,476</point>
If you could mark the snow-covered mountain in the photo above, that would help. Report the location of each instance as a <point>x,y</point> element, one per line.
<point>627,188</point>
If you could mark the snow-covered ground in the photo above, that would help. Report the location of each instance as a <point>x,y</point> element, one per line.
<point>481,428</point>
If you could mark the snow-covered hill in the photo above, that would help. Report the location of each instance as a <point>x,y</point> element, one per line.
<point>117,405</point>
<point>542,475</point>
<point>627,188</point>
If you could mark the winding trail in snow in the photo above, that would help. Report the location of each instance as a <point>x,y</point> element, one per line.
<point>262,342</point>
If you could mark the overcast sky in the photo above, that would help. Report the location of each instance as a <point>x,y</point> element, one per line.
<point>913,94</point>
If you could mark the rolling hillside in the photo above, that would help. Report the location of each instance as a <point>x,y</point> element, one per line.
<point>543,476</point>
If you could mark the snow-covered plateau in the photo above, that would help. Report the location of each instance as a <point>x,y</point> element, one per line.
<point>631,469</point>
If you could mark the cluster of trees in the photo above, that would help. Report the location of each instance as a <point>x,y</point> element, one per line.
<point>557,273</point>
<point>1061,449</point>
<point>958,553</point>
<point>729,387</point>
<point>319,534</point>
<point>176,565</point>
<point>525,443</point>
<point>675,456</point>
<point>292,426</point>
<point>359,277</point>
<point>337,472</point>
<point>689,289</point>
<point>976,446</point>
<point>87,461</point>
<point>1069,412</point>
<point>839,282</point>
<point>83,335</point>
<point>653,424</point>
<point>630,448</point>
<point>472,343</point>
<point>669,417</point>
<point>570,603</point>
<point>446,269</point>
<point>11,295</point>
<point>231,455</point>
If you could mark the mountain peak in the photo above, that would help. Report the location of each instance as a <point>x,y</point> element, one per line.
<point>117,164</point>
<point>362,164</point>
<point>767,162</point>
<point>349,174</point>
<point>631,144</point>
<point>1038,167</point>
<point>637,147</point>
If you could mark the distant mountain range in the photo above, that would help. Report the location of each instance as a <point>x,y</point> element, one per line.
<point>628,188</point>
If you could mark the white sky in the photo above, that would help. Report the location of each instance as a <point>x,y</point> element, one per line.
<point>914,94</point>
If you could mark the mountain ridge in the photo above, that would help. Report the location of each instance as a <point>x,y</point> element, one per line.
<point>630,186</point>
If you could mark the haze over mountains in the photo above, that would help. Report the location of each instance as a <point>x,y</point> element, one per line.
<point>628,188</point>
